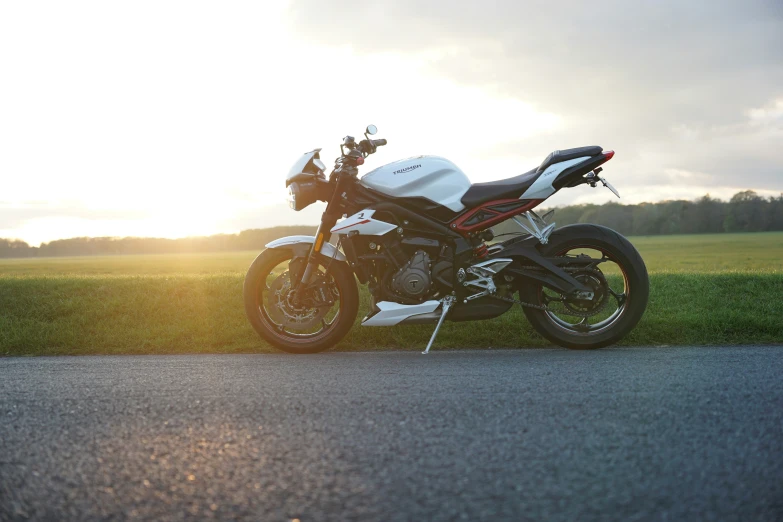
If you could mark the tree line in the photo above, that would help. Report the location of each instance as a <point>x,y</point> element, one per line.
<point>745,212</point>
<point>253,239</point>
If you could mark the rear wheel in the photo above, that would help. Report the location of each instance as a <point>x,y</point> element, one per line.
<point>312,321</point>
<point>619,283</point>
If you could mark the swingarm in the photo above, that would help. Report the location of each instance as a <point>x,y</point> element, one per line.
<point>531,264</point>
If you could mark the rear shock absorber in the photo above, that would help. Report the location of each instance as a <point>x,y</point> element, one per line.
<point>481,250</point>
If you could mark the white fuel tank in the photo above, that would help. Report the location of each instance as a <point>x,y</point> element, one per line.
<point>431,177</point>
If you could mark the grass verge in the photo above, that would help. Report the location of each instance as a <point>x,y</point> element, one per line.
<point>110,314</point>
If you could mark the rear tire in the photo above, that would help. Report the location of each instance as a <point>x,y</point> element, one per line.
<point>265,326</point>
<point>624,255</point>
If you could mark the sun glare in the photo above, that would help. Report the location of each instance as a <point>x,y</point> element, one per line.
<point>205,147</point>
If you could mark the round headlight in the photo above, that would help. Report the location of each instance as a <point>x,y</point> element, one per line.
<point>302,193</point>
<point>292,196</point>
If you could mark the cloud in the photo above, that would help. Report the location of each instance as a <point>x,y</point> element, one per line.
<point>190,128</point>
<point>693,86</point>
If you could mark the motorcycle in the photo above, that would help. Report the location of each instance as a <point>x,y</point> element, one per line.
<point>418,234</point>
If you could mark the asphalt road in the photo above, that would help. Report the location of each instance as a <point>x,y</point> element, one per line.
<point>617,434</point>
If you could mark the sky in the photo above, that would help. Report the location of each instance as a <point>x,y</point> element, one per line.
<point>176,118</point>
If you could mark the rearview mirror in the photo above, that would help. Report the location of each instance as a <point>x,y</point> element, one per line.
<point>372,130</point>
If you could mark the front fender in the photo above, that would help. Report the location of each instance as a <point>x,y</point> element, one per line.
<point>304,243</point>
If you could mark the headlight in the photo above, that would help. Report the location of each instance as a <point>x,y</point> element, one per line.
<point>302,193</point>
<point>292,196</point>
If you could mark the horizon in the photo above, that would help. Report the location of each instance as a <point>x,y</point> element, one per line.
<point>314,225</point>
<point>181,120</point>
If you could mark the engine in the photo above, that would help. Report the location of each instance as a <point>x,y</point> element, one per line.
<point>414,279</point>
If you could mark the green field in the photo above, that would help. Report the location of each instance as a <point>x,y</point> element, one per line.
<point>711,289</point>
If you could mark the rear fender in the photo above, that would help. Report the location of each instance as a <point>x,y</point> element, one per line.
<point>301,246</point>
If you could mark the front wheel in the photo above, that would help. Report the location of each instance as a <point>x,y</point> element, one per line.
<point>619,283</point>
<point>314,319</point>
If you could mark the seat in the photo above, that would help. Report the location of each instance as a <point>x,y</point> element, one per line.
<point>568,154</point>
<point>510,188</point>
<point>513,188</point>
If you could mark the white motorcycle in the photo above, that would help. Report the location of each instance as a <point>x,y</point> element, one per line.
<point>417,232</point>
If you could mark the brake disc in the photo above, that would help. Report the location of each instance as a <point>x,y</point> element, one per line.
<point>282,310</point>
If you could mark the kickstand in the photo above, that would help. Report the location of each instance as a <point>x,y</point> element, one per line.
<point>447,302</point>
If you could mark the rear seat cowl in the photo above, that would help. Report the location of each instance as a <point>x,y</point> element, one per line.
<point>568,154</point>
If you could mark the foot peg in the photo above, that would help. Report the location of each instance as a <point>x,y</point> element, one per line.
<point>448,301</point>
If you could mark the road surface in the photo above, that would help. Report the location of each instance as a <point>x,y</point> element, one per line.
<point>546,434</point>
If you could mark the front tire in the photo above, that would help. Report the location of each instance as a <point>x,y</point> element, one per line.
<point>631,301</point>
<point>261,298</point>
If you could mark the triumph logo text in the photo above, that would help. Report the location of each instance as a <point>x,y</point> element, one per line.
<point>406,169</point>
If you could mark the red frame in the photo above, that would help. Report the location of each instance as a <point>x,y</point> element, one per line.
<point>458,226</point>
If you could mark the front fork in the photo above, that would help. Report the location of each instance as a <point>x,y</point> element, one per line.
<point>333,212</point>
<point>322,236</point>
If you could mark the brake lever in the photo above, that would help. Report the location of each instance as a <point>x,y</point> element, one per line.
<point>366,147</point>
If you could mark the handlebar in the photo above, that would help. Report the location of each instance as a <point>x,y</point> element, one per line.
<point>356,153</point>
<point>367,147</point>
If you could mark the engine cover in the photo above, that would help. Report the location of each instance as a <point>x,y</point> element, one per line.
<point>414,279</point>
